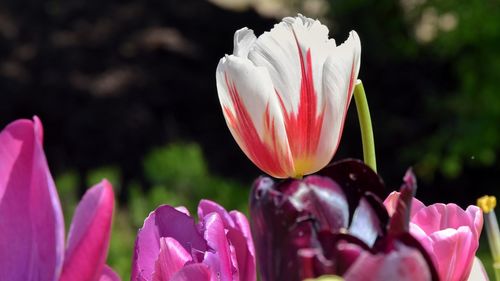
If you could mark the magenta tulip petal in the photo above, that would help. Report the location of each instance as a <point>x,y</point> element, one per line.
<point>31,222</point>
<point>206,207</point>
<point>108,274</point>
<point>198,272</point>
<point>242,225</point>
<point>242,240</point>
<point>89,234</point>
<point>219,257</point>
<point>403,264</point>
<point>171,259</point>
<point>160,223</point>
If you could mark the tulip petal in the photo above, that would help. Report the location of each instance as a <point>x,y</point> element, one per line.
<point>294,52</point>
<point>243,226</point>
<point>171,259</point>
<point>402,264</point>
<point>248,262</point>
<point>282,52</point>
<point>31,222</point>
<point>108,274</point>
<point>159,224</point>
<point>340,72</point>
<point>454,250</point>
<point>440,216</point>
<point>206,207</point>
<point>391,202</point>
<point>365,223</point>
<point>243,41</point>
<point>253,114</point>
<point>324,200</point>
<point>476,217</point>
<point>198,272</point>
<point>218,258</point>
<point>89,234</point>
<point>243,248</point>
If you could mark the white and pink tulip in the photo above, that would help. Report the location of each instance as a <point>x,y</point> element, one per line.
<point>285,94</point>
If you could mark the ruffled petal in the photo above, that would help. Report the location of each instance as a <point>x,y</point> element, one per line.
<point>171,259</point>
<point>206,207</point>
<point>218,258</point>
<point>89,235</point>
<point>31,221</point>
<point>283,52</point>
<point>243,40</point>
<point>165,221</point>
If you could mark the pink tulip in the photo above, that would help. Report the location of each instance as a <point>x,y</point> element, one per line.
<point>171,246</point>
<point>31,220</point>
<point>449,234</point>
<point>285,94</point>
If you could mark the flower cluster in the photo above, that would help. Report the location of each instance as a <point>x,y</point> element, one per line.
<point>284,96</point>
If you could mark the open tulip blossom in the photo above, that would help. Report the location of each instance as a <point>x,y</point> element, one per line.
<point>171,246</point>
<point>449,234</point>
<point>285,94</point>
<point>32,244</point>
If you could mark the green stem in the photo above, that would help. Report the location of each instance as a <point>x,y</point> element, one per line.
<point>365,124</point>
<point>496,269</point>
<point>493,233</point>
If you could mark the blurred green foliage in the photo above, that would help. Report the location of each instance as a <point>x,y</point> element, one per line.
<point>461,108</point>
<point>179,175</point>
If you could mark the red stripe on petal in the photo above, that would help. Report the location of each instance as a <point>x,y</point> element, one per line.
<point>265,151</point>
<point>304,126</point>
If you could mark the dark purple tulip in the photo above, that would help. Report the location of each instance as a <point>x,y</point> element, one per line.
<point>287,216</point>
<point>333,223</point>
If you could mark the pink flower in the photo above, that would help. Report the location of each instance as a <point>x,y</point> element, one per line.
<point>31,221</point>
<point>171,246</point>
<point>285,94</point>
<point>448,233</point>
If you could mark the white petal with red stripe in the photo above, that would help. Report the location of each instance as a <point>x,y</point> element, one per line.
<point>253,115</point>
<point>340,73</point>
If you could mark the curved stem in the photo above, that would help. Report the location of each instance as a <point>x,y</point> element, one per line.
<point>365,124</point>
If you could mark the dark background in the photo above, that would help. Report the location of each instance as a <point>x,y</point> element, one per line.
<point>115,82</point>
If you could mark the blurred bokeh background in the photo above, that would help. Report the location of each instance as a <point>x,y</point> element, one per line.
<point>126,90</point>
